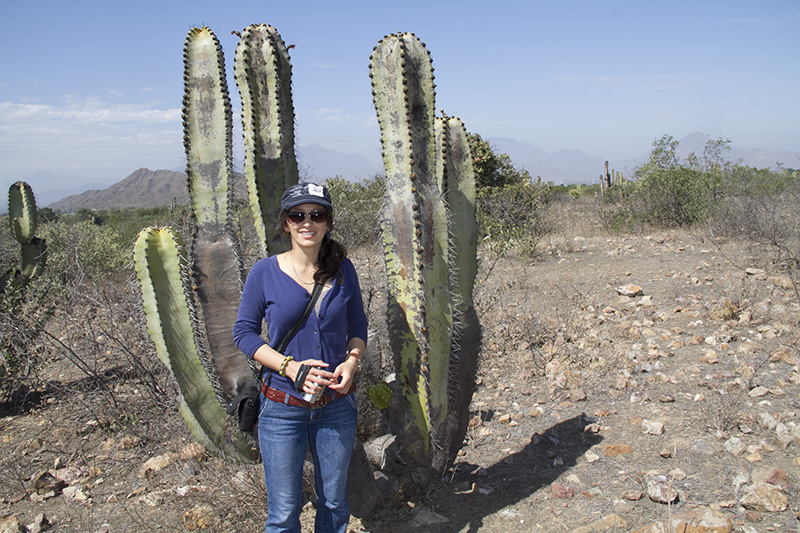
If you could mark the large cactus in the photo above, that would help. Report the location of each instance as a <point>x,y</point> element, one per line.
<point>23,218</point>
<point>430,252</point>
<point>182,335</point>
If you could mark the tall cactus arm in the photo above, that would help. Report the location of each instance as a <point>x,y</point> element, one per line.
<point>206,127</point>
<point>217,270</point>
<point>263,75</point>
<point>460,194</point>
<point>158,261</point>
<point>22,213</point>
<point>461,197</point>
<point>415,229</point>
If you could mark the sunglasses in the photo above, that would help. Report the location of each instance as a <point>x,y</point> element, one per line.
<point>298,217</point>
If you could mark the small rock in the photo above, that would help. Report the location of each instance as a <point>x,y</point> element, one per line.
<point>155,464</point>
<point>200,517</point>
<point>75,493</point>
<point>11,525</point>
<point>45,482</point>
<point>651,427</point>
<point>666,453</point>
<point>660,490</point>
<point>129,442</point>
<point>703,520</point>
<point>612,450</point>
<point>559,490</point>
<point>772,475</point>
<point>758,392</point>
<point>764,498</point>
<point>735,446</point>
<point>40,523</point>
<point>633,495</point>
<point>677,474</point>
<point>591,457</point>
<point>423,517</point>
<point>629,290</point>
<point>612,522</point>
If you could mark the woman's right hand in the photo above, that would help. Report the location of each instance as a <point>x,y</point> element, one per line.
<point>317,377</point>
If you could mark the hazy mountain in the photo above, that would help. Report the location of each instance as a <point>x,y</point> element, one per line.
<point>752,157</point>
<point>143,188</point>
<point>319,163</point>
<point>49,186</point>
<point>575,166</point>
<point>565,166</point>
<point>149,188</point>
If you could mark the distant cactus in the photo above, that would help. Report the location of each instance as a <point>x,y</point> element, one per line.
<point>430,252</point>
<point>23,219</point>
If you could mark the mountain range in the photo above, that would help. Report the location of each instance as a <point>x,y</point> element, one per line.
<point>575,166</point>
<point>150,188</point>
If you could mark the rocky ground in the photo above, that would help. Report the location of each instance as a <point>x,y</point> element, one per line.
<point>639,383</point>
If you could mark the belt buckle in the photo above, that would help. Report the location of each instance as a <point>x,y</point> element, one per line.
<point>319,404</point>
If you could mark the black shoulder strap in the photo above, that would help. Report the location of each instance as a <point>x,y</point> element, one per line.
<point>292,332</point>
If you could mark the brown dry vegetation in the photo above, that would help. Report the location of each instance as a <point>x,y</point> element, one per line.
<point>574,384</point>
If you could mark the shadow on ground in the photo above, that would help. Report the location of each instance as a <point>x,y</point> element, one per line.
<point>470,497</point>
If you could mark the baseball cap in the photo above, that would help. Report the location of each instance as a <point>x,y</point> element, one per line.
<point>305,193</point>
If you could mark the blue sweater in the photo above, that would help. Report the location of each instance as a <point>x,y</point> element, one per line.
<point>272,295</point>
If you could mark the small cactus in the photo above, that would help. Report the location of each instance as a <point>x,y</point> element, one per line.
<point>23,219</point>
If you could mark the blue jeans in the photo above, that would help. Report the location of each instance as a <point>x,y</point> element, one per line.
<point>284,432</point>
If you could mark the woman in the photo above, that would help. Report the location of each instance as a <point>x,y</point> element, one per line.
<point>323,357</point>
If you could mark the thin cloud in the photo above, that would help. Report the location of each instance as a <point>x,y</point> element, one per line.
<point>324,65</point>
<point>763,22</point>
<point>87,132</point>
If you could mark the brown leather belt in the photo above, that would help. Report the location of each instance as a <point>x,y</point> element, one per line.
<point>287,399</point>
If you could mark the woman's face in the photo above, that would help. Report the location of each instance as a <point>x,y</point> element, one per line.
<point>307,224</point>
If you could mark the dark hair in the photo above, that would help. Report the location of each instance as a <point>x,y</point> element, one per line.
<point>331,253</point>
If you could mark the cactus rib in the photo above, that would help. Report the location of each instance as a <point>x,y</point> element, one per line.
<point>158,261</point>
<point>217,271</point>
<point>263,75</point>
<point>415,229</point>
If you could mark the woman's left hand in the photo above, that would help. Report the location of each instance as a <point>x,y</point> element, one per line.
<point>344,374</point>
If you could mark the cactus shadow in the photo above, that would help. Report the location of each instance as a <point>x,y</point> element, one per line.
<point>475,493</point>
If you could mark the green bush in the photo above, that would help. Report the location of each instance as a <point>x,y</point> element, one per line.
<point>669,193</point>
<point>357,208</point>
<point>514,216</point>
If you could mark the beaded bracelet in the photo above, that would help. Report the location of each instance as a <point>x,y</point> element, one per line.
<point>284,364</point>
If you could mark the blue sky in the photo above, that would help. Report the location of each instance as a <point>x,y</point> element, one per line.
<point>92,89</point>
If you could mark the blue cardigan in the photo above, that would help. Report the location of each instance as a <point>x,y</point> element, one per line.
<point>272,295</point>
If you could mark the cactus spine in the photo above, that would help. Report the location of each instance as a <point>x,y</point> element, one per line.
<point>182,336</point>
<point>23,219</point>
<point>424,306</point>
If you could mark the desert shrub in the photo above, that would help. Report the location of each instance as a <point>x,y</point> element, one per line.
<point>759,206</point>
<point>82,247</point>
<point>668,192</point>
<point>23,312</point>
<point>513,216</point>
<point>357,208</point>
<point>493,169</point>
